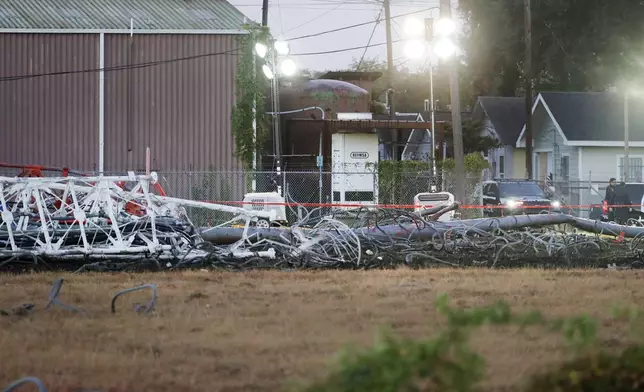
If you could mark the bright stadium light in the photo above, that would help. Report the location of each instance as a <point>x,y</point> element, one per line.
<point>288,67</point>
<point>444,48</point>
<point>414,27</point>
<point>268,71</point>
<point>261,49</point>
<point>414,49</point>
<point>282,48</point>
<point>445,26</point>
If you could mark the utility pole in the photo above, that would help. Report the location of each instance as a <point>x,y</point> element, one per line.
<point>626,167</point>
<point>457,126</point>
<point>390,79</point>
<point>264,13</point>
<point>527,70</point>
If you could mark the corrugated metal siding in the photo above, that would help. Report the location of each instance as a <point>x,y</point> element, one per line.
<point>116,14</point>
<point>181,110</point>
<point>50,120</point>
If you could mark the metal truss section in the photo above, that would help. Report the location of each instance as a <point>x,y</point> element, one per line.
<point>102,218</point>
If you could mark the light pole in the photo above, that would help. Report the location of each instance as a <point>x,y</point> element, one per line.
<point>626,167</point>
<point>441,46</point>
<point>276,62</point>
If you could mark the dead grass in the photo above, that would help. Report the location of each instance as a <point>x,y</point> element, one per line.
<point>255,331</point>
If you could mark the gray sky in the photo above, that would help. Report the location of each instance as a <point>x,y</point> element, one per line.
<point>293,18</point>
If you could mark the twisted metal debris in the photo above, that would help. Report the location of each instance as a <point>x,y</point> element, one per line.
<point>381,238</point>
<point>99,224</point>
<point>23,381</point>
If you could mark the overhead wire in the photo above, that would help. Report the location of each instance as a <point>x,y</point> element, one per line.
<point>318,16</point>
<point>205,55</point>
<point>370,38</point>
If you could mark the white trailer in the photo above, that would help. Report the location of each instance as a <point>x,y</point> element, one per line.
<point>354,161</point>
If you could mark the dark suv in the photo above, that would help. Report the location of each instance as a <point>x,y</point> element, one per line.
<point>511,197</point>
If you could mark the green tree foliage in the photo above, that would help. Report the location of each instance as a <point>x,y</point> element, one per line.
<point>251,92</point>
<point>472,139</point>
<point>578,45</point>
<point>411,88</point>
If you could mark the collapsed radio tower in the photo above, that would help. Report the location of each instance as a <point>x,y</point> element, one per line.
<point>99,218</point>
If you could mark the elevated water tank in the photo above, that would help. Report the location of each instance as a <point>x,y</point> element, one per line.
<point>332,95</point>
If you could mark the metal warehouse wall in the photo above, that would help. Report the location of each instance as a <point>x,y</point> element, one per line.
<point>50,120</point>
<point>180,109</point>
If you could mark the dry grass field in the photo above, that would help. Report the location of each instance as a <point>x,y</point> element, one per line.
<point>257,331</point>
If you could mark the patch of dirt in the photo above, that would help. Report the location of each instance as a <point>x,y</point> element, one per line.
<point>257,331</point>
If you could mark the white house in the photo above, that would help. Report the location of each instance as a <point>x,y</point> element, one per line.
<point>503,119</point>
<point>579,138</point>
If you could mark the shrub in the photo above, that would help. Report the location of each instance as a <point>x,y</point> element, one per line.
<point>599,372</point>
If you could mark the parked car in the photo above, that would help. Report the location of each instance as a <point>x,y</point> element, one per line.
<point>512,197</point>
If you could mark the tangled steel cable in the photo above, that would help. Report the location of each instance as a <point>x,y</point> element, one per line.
<point>382,238</point>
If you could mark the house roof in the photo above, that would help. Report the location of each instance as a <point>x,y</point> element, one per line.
<point>201,15</point>
<point>592,118</point>
<point>585,116</point>
<point>507,115</point>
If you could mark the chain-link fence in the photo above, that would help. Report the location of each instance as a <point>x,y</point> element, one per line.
<point>313,188</point>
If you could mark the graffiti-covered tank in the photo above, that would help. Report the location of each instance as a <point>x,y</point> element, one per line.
<point>332,95</point>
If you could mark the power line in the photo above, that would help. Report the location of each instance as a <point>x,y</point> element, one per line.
<point>228,52</point>
<point>122,67</point>
<point>318,17</point>
<point>343,50</point>
<point>358,25</point>
<point>370,38</point>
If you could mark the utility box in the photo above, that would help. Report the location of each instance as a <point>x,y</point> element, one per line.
<point>354,161</point>
<point>424,201</point>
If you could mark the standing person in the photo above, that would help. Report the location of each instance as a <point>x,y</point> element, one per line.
<point>610,199</point>
<point>623,201</point>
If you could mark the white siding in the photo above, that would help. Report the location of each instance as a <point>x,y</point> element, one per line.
<point>547,138</point>
<point>601,163</point>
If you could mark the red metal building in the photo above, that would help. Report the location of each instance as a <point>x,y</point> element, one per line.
<point>150,73</point>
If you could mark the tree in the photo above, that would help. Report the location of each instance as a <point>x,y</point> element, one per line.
<point>578,45</point>
<point>411,88</point>
<point>472,139</point>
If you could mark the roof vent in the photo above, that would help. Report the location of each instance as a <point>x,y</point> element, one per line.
<point>611,89</point>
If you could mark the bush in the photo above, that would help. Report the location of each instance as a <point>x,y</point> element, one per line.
<point>446,363</point>
<point>600,372</point>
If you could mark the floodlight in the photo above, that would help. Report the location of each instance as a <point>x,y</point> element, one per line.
<point>288,67</point>
<point>445,26</point>
<point>414,28</point>
<point>282,48</point>
<point>268,71</point>
<point>261,49</point>
<point>414,49</point>
<point>444,48</point>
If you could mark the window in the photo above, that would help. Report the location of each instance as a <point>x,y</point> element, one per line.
<point>634,169</point>
<point>502,166</point>
<point>521,189</point>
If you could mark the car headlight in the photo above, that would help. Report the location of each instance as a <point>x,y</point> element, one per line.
<point>512,203</point>
<point>555,204</point>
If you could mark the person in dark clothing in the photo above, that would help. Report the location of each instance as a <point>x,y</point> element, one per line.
<point>622,199</point>
<point>610,199</point>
